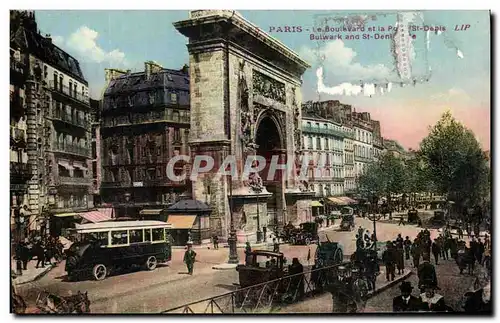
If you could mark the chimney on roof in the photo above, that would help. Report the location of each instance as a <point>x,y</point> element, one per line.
<point>185,69</point>
<point>112,73</point>
<point>151,67</point>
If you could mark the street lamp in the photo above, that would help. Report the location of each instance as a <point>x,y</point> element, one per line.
<point>127,199</point>
<point>374,218</point>
<point>259,233</point>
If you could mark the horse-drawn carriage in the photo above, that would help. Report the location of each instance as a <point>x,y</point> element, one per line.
<point>264,266</point>
<point>52,304</point>
<point>347,223</point>
<point>306,233</point>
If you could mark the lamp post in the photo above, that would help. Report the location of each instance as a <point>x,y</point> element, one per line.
<point>374,218</point>
<point>233,254</point>
<point>127,199</point>
<point>259,233</point>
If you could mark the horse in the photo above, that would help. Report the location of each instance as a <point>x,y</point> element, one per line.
<point>74,304</point>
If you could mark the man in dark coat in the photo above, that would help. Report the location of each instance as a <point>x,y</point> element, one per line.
<point>215,240</point>
<point>297,282</point>
<point>415,253</point>
<point>436,250</point>
<point>407,246</point>
<point>341,290</point>
<point>427,273</point>
<point>479,251</point>
<point>190,257</point>
<point>389,259</point>
<point>248,254</point>
<point>405,302</point>
<point>40,254</point>
<point>400,261</point>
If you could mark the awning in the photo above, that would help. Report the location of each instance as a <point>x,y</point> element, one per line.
<point>181,221</point>
<point>346,199</point>
<point>316,204</point>
<point>63,215</point>
<point>95,216</point>
<point>80,166</point>
<point>107,211</point>
<point>150,212</point>
<point>65,164</point>
<point>337,201</point>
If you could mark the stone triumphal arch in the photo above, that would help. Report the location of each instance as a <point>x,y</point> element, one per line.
<point>245,101</point>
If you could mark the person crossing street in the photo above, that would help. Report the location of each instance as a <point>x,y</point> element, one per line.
<point>190,257</point>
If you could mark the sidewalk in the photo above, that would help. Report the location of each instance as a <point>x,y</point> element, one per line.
<point>323,303</point>
<point>31,274</point>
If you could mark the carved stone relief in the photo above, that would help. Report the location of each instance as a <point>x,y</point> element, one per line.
<point>247,119</point>
<point>268,87</point>
<point>297,131</point>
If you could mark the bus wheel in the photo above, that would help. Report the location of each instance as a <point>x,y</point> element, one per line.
<point>99,272</point>
<point>151,263</point>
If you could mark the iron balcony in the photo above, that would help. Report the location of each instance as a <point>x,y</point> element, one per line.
<point>67,92</point>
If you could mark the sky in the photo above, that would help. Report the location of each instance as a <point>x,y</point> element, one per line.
<point>454,64</point>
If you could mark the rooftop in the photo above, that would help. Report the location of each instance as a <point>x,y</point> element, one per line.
<point>139,81</point>
<point>29,40</point>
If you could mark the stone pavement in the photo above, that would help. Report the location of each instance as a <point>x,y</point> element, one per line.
<point>31,274</point>
<point>323,303</point>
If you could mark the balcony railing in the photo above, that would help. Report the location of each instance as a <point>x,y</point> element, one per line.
<point>20,169</point>
<point>17,134</point>
<point>66,90</point>
<point>143,183</point>
<point>71,149</point>
<point>326,131</point>
<point>138,119</point>
<point>66,180</point>
<point>16,66</point>
<point>363,159</point>
<point>68,118</point>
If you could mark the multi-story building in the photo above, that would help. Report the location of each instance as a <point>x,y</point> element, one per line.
<point>328,134</point>
<point>395,148</point>
<point>144,123</point>
<point>377,141</point>
<point>95,106</point>
<point>57,127</point>
<point>363,141</point>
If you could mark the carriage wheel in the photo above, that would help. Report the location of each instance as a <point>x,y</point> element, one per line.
<point>99,272</point>
<point>338,257</point>
<point>151,263</point>
<point>308,241</point>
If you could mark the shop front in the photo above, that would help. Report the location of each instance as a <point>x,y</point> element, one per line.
<point>190,220</point>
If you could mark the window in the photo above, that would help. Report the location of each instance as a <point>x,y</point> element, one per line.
<point>136,235</point>
<point>147,235</point>
<point>318,143</point>
<point>70,88</point>
<point>173,97</point>
<point>175,116</point>
<point>177,134</point>
<point>55,79</point>
<point>74,89</point>
<point>158,234</point>
<point>60,82</point>
<point>119,237</point>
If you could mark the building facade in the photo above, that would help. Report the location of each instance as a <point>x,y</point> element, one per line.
<point>324,136</point>
<point>58,139</point>
<point>377,141</point>
<point>395,148</point>
<point>95,106</point>
<point>144,122</point>
<point>363,142</point>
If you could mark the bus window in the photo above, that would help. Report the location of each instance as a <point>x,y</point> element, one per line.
<point>158,234</point>
<point>119,237</point>
<point>147,234</point>
<point>102,237</point>
<point>135,235</point>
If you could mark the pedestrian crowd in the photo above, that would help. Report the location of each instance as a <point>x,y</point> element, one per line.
<point>44,248</point>
<point>444,247</point>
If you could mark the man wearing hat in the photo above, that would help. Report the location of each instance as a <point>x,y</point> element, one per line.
<point>341,289</point>
<point>389,259</point>
<point>427,273</point>
<point>406,302</point>
<point>189,257</point>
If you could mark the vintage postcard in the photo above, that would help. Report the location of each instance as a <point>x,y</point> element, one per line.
<point>242,162</point>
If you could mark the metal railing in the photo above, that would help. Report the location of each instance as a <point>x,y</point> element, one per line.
<point>66,117</point>
<point>326,131</point>
<point>67,180</point>
<point>66,90</point>
<point>72,149</point>
<point>18,134</point>
<point>266,297</point>
<point>16,66</point>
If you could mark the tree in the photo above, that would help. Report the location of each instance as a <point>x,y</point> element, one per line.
<point>455,161</point>
<point>382,178</point>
